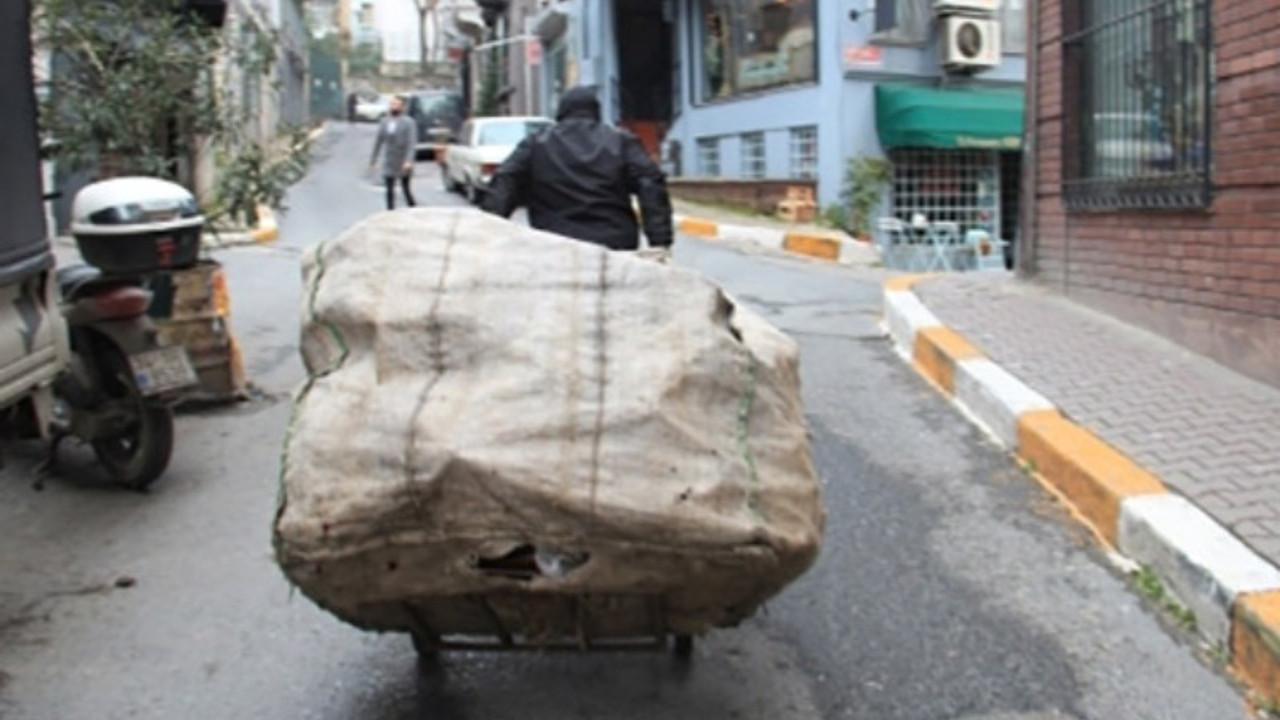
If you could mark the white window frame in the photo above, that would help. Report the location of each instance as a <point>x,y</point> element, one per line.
<point>754,160</point>
<point>802,167</point>
<point>708,156</point>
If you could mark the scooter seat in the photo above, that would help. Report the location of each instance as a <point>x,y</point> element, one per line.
<point>72,278</point>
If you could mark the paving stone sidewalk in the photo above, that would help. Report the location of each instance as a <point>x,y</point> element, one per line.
<point>1208,433</point>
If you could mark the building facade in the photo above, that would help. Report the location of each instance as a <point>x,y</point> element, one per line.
<point>1157,139</point>
<point>793,89</point>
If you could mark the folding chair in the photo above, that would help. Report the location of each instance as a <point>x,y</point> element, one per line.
<point>944,239</point>
<point>893,243</point>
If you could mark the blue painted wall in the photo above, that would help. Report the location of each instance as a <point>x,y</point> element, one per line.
<point>840,104</point>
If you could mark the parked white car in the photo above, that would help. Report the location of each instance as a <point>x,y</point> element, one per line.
<point>372,109</point>
<point>1129,145</point>
<point>481,147</point>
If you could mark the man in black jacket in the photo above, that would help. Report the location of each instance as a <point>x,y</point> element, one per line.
<point>578,177</point>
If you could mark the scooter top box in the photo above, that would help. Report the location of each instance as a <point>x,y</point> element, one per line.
<point>137,225</point>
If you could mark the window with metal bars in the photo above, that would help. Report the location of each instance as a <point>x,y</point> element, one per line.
<point>899,21</point>
<point>959,186</point>
<point>804,152</point>
<point>1138,86</point>
<point>753,161</point>
<point>709,157</point>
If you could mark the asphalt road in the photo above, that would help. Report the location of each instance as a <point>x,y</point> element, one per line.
<point>949,586</point>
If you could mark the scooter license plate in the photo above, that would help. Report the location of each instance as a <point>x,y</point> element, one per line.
<point>161,370</point>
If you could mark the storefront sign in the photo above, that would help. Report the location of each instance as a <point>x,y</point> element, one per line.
<point>859,57</point>
<point>1011,142</point>
<point>533,52</point>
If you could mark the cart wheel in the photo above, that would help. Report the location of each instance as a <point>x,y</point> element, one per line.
<point>427,647</point>
<point>683,649</point>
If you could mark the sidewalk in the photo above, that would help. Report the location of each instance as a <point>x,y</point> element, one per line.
<point>807,239</point>
<point>1171,459</point>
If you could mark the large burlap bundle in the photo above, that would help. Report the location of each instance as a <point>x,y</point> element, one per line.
<point>504,430</point>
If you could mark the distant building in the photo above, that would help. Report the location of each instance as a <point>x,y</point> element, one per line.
<point>322,18</point>
<point>280,99</point>
<point>364,23</point>
<point>787,91</point>
<point>325,61</point>
<point>397,27</point>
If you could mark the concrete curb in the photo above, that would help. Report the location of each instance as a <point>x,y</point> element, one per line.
<point>268,230</point>
<point>1233,592</point>
<point>831,247</point>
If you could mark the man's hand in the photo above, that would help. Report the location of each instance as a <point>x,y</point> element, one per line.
<point>660,255</point>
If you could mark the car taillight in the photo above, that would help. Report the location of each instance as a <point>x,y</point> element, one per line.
<point>121,302</point>
<point>488,169</point>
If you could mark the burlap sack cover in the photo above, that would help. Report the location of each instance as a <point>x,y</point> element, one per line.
<point>505,432</point>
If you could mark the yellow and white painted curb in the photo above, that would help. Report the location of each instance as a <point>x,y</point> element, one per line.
<point>267,230</point>
<point>831,247</point>
<point>1233,592</point>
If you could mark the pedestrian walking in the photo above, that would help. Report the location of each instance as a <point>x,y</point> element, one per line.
<point>578,178</point>
<point>396,135</point>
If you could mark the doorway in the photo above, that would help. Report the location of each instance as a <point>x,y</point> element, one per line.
<point>644,35</point>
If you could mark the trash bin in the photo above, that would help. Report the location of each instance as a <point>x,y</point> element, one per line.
<point>137,225</point>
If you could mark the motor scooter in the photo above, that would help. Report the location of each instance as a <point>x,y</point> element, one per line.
<point>78,356</point>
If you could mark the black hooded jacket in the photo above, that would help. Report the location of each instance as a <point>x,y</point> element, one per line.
<point>577,179</point>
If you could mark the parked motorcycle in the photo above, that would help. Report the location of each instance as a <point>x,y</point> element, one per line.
<point>78,355</point>
<point>116,384</point>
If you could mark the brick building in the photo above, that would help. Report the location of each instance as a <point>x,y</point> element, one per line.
<point>1156,129</point>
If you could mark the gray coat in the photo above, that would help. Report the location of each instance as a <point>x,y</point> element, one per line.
<point>399,145</point>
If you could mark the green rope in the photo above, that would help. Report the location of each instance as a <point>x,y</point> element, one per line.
<point>745,408</point>
<point>311,311</point>
<point>341,342</point>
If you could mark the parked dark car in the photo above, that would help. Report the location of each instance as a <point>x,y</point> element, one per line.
<point>439,116</point>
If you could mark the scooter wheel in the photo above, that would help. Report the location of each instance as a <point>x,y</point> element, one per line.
<point>138,455</point>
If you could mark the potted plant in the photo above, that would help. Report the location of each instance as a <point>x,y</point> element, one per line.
<point>865,181</point>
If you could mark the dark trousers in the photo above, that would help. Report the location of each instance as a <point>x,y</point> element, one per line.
<point>391,191</point>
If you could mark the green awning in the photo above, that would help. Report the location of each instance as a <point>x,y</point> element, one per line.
<point>959,118</point>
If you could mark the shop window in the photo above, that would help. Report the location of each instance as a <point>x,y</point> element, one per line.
<point>959,186</point>
<point>1013,26</point>
<point>753,162</point>
<point>709,157</point>
<point>1138,82</point>
<point>804,152</point>
<point>899,21</point>
<point>750,45</point>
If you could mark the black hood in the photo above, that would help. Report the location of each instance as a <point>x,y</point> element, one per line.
<point>579,103</point>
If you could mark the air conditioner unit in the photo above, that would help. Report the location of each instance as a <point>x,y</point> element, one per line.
<point>969,44</point>
<point>976,7</point>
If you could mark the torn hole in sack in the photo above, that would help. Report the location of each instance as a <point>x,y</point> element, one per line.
<point>526,562</point>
